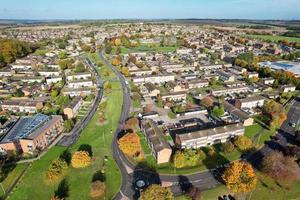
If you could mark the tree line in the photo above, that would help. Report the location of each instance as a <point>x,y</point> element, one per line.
<point>11,49</point>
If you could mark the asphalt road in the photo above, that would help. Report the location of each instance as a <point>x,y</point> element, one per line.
<point>73,136</point>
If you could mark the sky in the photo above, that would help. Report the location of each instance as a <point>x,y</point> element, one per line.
<point>149,9</point>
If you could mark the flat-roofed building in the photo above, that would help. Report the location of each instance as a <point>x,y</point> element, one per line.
<point>226,76</point>
<point>71,110</point>
<point>250,102</point>
<point>162,78</point>
<point>22,105</point>
<point>161,150</point>
<point>210,136</point>
<point>176,96</point>
<point>30,134</point>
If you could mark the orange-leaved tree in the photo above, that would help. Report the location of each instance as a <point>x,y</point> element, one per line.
<point>130,144</point>
<point>81,159</point>
<point>240,177</point>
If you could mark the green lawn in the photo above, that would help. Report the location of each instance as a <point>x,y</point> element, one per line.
<point>12,177</point>
<point>33,185</point>
<point>274,38</point>
<point>266,188</point>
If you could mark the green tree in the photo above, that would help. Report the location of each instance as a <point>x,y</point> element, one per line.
<point>218,111</point>
<point>68,125</point>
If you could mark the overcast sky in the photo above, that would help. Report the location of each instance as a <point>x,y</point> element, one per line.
<point>149,9</point>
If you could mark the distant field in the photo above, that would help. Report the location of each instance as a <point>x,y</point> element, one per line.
<point>274,38</point>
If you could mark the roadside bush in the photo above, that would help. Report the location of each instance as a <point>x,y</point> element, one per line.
<point>81,159</point>
<point>243,143</point>
<point>227,147</point>
<point>97,189</point>
<point>56,170</point>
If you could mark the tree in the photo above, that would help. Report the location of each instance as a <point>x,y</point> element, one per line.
<point>227,147</point>
<point>194,193</point>
<point>116,61</point>
<point>108,48</point>
<point>56,170</point>
<point>64,64</point>
<point>130,144</point>
<point>81,159</point>
<point>156,192</point>
<point>280,167</point>
<point>79,67</point>
<point>243,143</point>
<point>218,111</point>
<point>213,81</point>
<point>18,93</point>
<point>68,125</point>
<point>62,55</point>
<point>276,113</point>
<point>98,189</point>
<point>240,177</point>
<point>54,93</point>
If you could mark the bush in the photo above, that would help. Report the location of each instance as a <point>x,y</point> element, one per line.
<point>172,115</point>
<point>81,159</point>
<point>97,189</point>
<point>243,143</point>
<point>56,170</point>
<point>227,147</point>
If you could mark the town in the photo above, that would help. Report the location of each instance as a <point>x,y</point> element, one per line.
<point>175,107</point>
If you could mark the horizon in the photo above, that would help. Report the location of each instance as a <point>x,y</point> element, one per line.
<point>146,10</point>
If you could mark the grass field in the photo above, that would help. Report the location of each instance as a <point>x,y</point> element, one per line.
<point>266,188</point>
<point>274,38</point>
<point>33,185</point>
<point>12,177</point>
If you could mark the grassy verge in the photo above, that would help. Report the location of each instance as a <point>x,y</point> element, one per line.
<point>12,177</point>
<point>33,186</point>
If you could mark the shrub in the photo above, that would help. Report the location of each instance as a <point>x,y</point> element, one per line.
<point>243,143</point>
<point>227,147</point>
<point>97,189</point>
<point>81,159</point>
<point>56,170</point>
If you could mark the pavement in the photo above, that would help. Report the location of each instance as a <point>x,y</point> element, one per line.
<point>72,137</point>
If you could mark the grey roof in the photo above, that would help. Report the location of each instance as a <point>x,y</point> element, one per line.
<point>211,132</point>
<point>250,99</point>
<point>155,136</point>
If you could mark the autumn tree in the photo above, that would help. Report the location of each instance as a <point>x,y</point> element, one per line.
<point>240,177</point>
<point>276,113</point>
<point>81,159</point>
<point>98,189</point>
<point>227,147</point>
<point>194,193</point>
<point>116,61</point>
<point>131,123</point>
<point>280,167</point>
<point>56,170</point>
<point>130,144</point>
<point>207,102</point>
<point>243,143</point>
<point>156,192</point>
